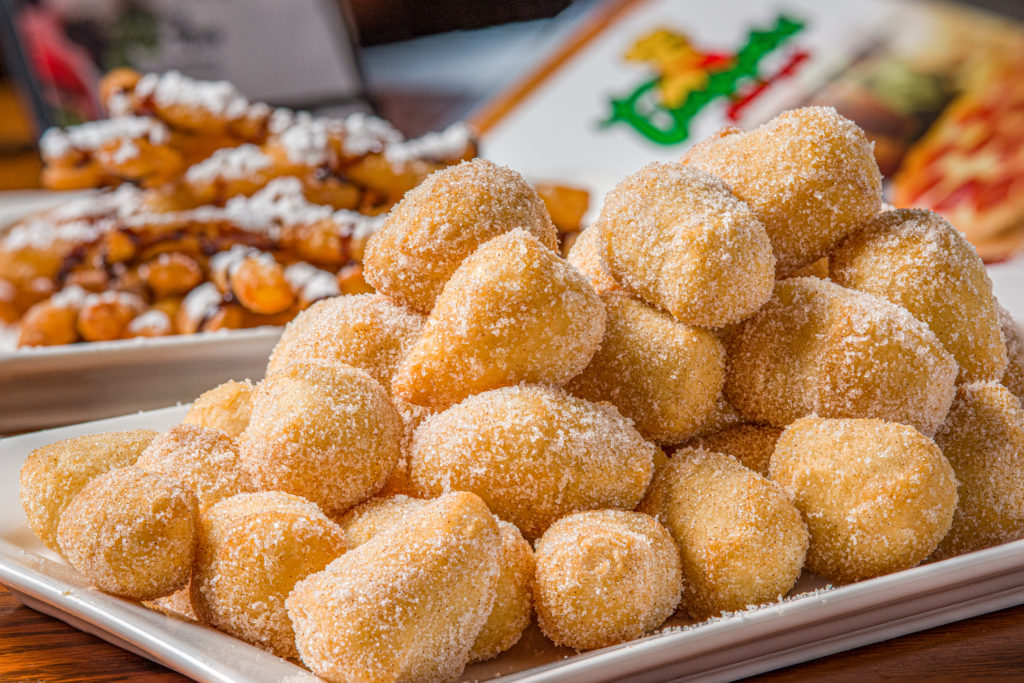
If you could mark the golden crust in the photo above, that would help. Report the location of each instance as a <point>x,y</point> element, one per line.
<point>751,444</point>
<point>605,577</point>
<point>662,374</point>
<point>818,348</point>
<point>740,539</point>
<point>131,533</point>
<point>206,461</point>
<point>53,474</point>
<point>253,549</point>
<point>877,496</point>
<point>407,604</point>
<point>512,312</point>
<point>225,407</point>
<point>917,260</point>
<point>809,174</point>
<point>445,219</point>
<point>680,240</point>
<point>512,603</point>
<point>326,432</point>
<point>365,331</point>
<point>534,454</point>
<point>587,254</point>
<point>983,437</point>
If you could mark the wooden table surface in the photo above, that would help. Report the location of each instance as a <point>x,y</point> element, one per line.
<point>35,647</point>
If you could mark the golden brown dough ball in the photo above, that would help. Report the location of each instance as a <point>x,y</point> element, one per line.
<point>588,255</point>
<point>680,240</point>
<point>225,407</point>
<point>442,221</point>
<point>1013,379</point>
<point>365,331</point>
<point>818,348</point>
<point>512,603</point>
<point>605,577</point>
<point>253,549</point>
<point>534,454</point>
<point>131,533</point>
<point>177,604</point>
<point>660,373</point>
<point>917,260</point>
<point>877,496</point>
<point>740,539</point>
<point>722,417</point>
<point>376,515</point>
<point>983,437</point>
<point>513,312</point>
<point>751,444</point>
<point>204,460</point>
<point>326,432</point>
<point>513,597</point>
<point>407,604</point>
<point>809,174</point>
<point>53,474</point>
<point>412,416</point>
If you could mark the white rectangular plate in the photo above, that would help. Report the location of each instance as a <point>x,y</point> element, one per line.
<point>815,622</point>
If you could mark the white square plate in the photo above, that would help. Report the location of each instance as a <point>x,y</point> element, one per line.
<point>813,623</point>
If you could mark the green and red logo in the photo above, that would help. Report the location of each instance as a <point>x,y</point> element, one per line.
<point>688,79</point>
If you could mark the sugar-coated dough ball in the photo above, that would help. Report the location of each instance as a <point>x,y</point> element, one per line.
<point>177,604</point>
<point>253,549</point>
<point>662,374</point>
<point>225,407</point>
<point>605,577</point>
<point>740,539</point>
<point>916,259</point>
<point>751,444</point>
<point>406,605</point>
<point>326,432</point>
<point>204,460</point>
<point>365,331</point>
<point>534,454</point>
<point>983,437</point>
<point>680,239</point>
<point>809,174</point>
<point>442,221</point>
<point>53,474</point>
<point>376,515</point>
<point>818,348</point>
<point>588,255</point>
<point>412,416</point>
<point>723,416</point>
<point>877,496</point>
<point>1013,379</point>
<point>513,312</point>
<point>512,603</point>
<point>131,533</point>
<point>513,597</point>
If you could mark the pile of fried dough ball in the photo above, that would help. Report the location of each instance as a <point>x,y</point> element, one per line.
<point>746,367</point>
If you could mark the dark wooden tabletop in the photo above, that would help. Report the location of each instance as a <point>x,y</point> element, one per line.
<point>35,647</point>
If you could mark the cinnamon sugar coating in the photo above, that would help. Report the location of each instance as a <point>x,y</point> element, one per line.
<point>818,348</point>
<point>534,454</point>
<point>877,496</point>
<point>445,219</point>
<point>662,374</point>
<point>983,437</point>
<point>741,541</point>
<point>131,533</point>
<point>254,548</point>
<point>513,312</point>
<point>53,474</point>
<point>605,577</point>
<point>915,259</point>
<point>809,174</point>
<point>225,407</point>
<point>326,432</point>
<point>406,605</point>
<point>679,239</point>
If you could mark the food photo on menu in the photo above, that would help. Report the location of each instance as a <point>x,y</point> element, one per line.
<point>593,340</point>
